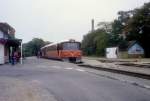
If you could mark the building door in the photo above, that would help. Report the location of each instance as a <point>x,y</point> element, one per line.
<point>2,60</point>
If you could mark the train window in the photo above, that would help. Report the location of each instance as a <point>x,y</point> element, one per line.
<point>52,48</point>
<point>71,46</point>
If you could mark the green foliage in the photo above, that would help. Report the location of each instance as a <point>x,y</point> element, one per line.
<point>87,44</point>
<point>107,35</point>
<point>31,48</point>
<point>138,27</point>
<point>130,25</point>
<point>116,36</point>
<point>94,43</point>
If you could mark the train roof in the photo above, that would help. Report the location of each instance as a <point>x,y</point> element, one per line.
<point>55,43</point>
<point>51,44</point>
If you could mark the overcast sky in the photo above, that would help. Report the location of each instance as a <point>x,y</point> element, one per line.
<point>56,20</point>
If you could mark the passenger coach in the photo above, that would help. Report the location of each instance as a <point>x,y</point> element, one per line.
<point>66,51</point>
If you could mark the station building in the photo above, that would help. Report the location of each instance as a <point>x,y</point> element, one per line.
<point>8,43</point>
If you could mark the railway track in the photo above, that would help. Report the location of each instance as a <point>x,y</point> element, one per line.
<point>129,73</point>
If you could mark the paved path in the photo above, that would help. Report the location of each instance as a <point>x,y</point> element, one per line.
<point>12,89</point>
<point>140,60</point>
<point>48,80</point>
<point>115,66</point>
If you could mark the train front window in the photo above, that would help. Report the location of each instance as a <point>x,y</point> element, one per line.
<point>71,46</point>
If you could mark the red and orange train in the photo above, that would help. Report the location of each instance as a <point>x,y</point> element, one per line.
<point>66,51</point>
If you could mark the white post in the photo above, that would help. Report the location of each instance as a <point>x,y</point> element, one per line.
<point>21,53</point>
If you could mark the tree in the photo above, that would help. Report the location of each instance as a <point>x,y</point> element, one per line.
<point>107,26</point>
<point>130,25</point>
<point>32,47</point>
<point>88,45</point>
<point>95,42</point>
<point>101,41</point>
<point>138,27</point>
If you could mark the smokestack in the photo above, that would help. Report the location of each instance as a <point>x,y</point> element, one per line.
<point>92,25</point>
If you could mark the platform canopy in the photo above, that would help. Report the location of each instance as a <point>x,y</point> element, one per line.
<point>13,42</point>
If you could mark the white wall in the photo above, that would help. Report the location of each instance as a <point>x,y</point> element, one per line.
<point>112,52</point>
<point>1,34</point>
<point>2,58</point>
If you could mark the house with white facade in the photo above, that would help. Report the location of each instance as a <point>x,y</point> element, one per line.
<point>3,50</point>
<point>8,43</point>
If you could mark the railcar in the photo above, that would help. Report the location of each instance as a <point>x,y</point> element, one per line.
<point>65,51</point>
